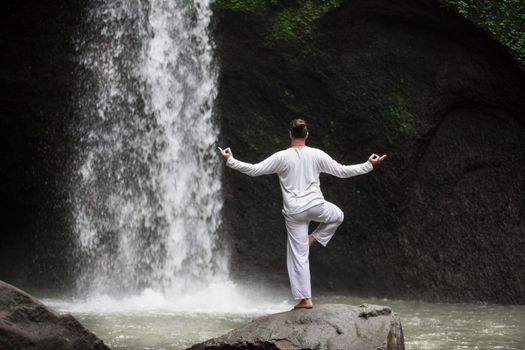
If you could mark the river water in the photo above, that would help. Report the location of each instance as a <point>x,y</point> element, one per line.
<point>150,321</point>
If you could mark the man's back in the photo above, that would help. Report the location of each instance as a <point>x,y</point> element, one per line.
<point>298,169</point>
<point>299,178</point>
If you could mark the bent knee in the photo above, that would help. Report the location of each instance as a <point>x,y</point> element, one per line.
<point>340,217</point>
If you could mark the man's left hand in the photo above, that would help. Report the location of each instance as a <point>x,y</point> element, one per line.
<point>376,160</point>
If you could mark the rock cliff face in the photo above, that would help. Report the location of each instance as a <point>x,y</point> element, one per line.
<point>36,80</point>
<point>443,218</point>
<point>325,327</point>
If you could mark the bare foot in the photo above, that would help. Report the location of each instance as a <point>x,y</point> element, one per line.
<point>304,304</point>
<point>311,240</point>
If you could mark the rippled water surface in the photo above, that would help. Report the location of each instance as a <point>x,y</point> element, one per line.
<point>149,321</point>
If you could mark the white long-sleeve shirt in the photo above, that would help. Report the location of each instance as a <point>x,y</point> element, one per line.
<point>298,169</point>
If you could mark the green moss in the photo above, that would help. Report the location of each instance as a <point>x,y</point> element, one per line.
<point>504,19</point>
<point>288,22</point>
<point>262,130</point>
<point>244,5</point>
<point>402,117</point>
<point>289,101</point>
<point>277,142</point>
<point>297,23</point>
<point>329,136</point>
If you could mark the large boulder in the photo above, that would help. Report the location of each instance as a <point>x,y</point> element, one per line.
<point>26,323</point>
<point>325,327</point>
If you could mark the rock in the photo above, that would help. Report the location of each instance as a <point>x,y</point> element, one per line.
<point>26,323</point>
<point>37,87</point>
<point>441,219</point>
<point>327,326</point>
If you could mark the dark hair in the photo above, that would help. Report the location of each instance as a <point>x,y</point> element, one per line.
<point>298,128</point>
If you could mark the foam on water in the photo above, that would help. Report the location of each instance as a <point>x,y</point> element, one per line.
<point>225,298</point>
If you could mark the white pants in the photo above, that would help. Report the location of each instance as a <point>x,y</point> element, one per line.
<point>330,217</point>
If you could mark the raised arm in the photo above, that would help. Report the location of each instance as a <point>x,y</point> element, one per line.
<point>330,166</point>
<point>270,165</point>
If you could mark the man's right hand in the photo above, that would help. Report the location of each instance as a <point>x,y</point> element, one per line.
<point>376,160</point>
<point>226,153</point>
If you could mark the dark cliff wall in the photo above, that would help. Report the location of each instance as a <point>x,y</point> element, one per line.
<point>36,50</point>
<point>443,218</point>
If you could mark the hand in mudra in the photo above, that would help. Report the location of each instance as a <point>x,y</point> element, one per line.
<point>375,159</point>
<point>226,153</point>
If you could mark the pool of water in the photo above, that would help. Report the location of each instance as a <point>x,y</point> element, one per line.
<point>150,321</point>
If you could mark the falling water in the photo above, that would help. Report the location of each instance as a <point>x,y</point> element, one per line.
<point>147,197</point>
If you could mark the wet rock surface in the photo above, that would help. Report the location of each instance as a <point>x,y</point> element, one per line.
<point>325,327</point>
<point>26,323</point>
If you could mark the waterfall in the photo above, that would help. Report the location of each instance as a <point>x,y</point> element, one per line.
<point>146,197</point>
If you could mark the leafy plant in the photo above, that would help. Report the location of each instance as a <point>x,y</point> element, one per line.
<point>297,22</point>
<point>403,118</point>
<point>289,22</point>
<point>504,19</point>
<point>294,21</point>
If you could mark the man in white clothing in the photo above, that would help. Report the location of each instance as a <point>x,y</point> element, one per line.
<point>298,168</point>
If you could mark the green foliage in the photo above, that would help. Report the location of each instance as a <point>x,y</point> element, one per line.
<point>288,100</point>
<point>403,118</point>
<point>296,23</point>
<point>264,123</point>
<point>328,137</point>
<point>244,5</point>
<point>288,23</point>
<point>504,19</point>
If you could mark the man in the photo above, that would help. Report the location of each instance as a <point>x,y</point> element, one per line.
<point>298,168</point>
